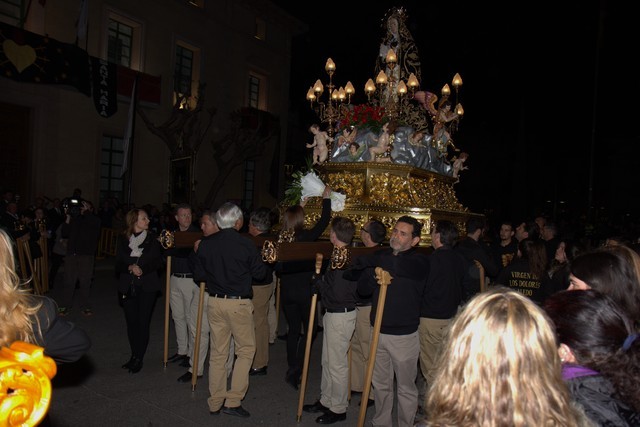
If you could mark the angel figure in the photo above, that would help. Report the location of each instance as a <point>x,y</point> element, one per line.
<point>319,145</point>
<point>441,136</point>
<point>458,164</point>
<point>355,151</point>
<point>348,136</point>
<point>381,151</point>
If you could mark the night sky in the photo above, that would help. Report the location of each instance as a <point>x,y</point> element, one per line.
<point>543,81</point>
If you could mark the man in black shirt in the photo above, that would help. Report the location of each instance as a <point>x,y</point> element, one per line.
<point>229,263</point>
<point>442,297</point>
<point>398,345</point>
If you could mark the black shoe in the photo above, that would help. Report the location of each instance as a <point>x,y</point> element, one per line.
<point>214,412</point>
<point>186,363</point>
<point>238,411</point>
<point>186,378</point>
<point>331,417</point>
<point>135,366</point>
<point>177,358</point>
<point>315,407</point>
<point>129,363</point>
<point>369,403</point>
<point>293,377</point>
<point>258,371</point>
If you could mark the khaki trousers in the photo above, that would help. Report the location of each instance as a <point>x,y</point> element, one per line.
<point>432,335</point>
<point>261,296</point>
<point>360,347</point>
<point>230,318</point>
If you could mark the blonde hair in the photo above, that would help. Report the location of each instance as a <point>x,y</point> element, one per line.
<point>500,367</point>
<point>16,305</point>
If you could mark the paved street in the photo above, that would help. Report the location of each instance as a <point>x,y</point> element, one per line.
<point>96,391</point>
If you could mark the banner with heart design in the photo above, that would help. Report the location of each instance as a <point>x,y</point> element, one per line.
<point>32,58</point>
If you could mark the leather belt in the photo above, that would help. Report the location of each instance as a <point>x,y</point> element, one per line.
<point>340,310</point>
<point>183,275</point>
<point>230,296</point>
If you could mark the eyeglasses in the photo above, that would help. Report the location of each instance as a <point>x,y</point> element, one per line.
<point>365,230</point>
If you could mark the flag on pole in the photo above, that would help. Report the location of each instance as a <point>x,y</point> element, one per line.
<point>128,134</point>
<point>82,22</point>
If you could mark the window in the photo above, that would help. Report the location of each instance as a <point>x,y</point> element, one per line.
<point>257,91</point>
<point>185,75</point>
<point>111,158</point>
<point>196,3</point>
<point>124,41</point>
<point>249,181</point>
<point>120,43</point>
<point>254,91</point>
<point>261,29</point>
<point>14,12</point>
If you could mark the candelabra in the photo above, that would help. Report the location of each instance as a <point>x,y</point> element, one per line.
<point>392,90</point>
<point>336,105</point>
<point>446,93</point>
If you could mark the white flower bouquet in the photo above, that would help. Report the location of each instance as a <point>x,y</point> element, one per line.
<point>307,185</point>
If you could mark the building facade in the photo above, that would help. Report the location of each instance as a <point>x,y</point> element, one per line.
<point>57,135</point>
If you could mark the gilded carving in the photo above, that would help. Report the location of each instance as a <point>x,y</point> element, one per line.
<point>386,192</point>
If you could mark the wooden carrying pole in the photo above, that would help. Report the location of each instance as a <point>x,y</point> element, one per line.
<point>384,279</point>
<point>167,296</point>
<point>307,351</point>
<point>277,303</point>
<point>196,345</point>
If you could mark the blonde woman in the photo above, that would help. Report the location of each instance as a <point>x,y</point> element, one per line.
<point>34,319</point>
<point>500,367</point>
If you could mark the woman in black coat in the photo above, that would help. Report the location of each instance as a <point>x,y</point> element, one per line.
<point>138,261</point>
<point>295,284</point>
<point>600,351</point>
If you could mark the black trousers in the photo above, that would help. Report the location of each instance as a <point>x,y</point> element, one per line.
<point>295,297</point>
<point>137,313</point>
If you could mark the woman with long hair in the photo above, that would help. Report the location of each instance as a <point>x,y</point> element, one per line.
<point>527,273</point>
<point>295,283</point>
<point>600,351</point>
<point>500,367</point>
<point>566,252</point>
<point>609,271</point>
<point>31,318</point>
<point>138,261</point>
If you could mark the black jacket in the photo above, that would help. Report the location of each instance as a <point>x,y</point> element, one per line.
<point>229,263</point>
<point>83,232</point>
<point>409,271</point>
<point>180,256</point>
<point>61,339</point>
<point>150,262</point>
<point>596,396</point>
<point>336,291</point>
<point>444,291</point>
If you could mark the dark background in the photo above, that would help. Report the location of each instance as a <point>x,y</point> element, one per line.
<point>547,87</point>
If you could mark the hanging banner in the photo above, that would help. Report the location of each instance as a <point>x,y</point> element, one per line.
<point>31,58</point>
<point>104,86</point>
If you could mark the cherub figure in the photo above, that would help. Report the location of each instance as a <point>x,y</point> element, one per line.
<point>381,152</point>
<point>416,138</point>
<point>458,164</point>
<point>441,136</point>
<point>355,151</point>
<point>319,145</point>
<point>348,136</point>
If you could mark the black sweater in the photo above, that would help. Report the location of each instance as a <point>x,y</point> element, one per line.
<point>409,271</point>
